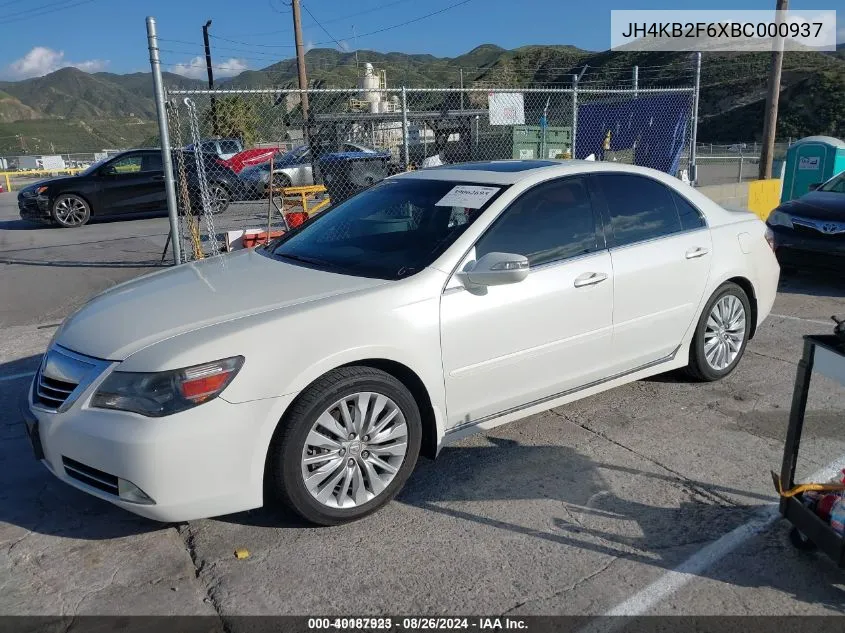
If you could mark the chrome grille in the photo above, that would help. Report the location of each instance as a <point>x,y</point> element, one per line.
<point>62,377</point>
<point>52,392</point>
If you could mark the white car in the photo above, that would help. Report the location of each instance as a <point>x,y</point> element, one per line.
<point>433,305</point>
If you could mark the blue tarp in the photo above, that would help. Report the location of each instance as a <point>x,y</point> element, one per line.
<point>656,123</point>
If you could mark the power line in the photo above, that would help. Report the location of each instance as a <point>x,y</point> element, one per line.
<point>338,19</point>
<point>38,11</point>
<point>382,30</point>
<point>307,10</point>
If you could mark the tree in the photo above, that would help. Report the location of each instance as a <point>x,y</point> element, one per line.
<point>236,118</point>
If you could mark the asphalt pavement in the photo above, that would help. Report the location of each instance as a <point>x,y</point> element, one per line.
<point>653,498</point>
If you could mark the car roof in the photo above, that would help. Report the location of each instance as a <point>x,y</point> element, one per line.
<point>534,172</point>
<point>509,172</point>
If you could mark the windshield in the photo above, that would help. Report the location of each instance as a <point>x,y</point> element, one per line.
<point>92,168</point>
<point>390,231</point>
<point>835,184</point>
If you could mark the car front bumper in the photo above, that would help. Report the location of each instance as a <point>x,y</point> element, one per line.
<point>34,208</point>
<point>203,462</point>
<point>805,249</point>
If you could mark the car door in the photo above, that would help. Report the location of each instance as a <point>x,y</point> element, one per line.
<point>506,346</point>
<point>660,248</point>
<point>132,183</point>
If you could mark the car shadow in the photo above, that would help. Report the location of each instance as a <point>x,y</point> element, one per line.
<point>553,493</point>
<point>814,282</point>
<point>491,486</point>
<point>32,225</point>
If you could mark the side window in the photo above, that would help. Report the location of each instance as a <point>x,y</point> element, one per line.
<point>229,147</point>
<point>691,217</point>
<point>550,222</point>
<point>640,208</point>
<point>126,165</point>
<point>151,162</point>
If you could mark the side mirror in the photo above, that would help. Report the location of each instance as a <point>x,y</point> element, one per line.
<point>815,186</point>
<point>108,170</point>
<point>495,269</point>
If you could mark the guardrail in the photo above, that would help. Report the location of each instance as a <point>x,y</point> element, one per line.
<point>37,172</point>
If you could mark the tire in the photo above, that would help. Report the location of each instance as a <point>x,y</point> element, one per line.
<point>355,485</point>
<point>280,181</point>
<point>70,211</point>
<point>220,197</point>
<point>724,347</point>
<point>800,541</point>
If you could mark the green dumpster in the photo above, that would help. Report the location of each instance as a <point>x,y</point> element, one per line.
<point>810,162</point>
<point>530,142</point>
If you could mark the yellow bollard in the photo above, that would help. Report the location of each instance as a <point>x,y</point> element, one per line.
<point>8,182</point>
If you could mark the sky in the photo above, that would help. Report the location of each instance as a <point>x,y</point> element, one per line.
<point>40,36</point>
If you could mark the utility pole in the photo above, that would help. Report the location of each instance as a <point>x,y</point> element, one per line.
<point>770,122</point>
<point>462,88</point>
<point>210,76</point>
<point>300,60</point>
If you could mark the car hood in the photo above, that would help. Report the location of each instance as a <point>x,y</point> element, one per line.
<point>47,181</point>
<point>818,205</point>
<point>150,309</point>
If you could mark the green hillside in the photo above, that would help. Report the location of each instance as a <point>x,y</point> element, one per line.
<point>81,112</point>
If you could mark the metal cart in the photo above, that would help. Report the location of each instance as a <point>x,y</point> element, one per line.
<point>823,354</point>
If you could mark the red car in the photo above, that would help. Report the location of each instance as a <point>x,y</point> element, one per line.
<point>248,158</point>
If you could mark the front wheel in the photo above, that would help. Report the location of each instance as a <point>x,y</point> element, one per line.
<point>721,335</point>
<point>70,211</point>
<point>346,446</point>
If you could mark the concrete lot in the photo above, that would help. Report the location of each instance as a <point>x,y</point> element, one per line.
<point>654,498</point>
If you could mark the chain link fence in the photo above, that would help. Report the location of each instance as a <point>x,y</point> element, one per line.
<point>253,163</point>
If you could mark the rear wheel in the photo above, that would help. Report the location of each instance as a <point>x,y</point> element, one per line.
<point>721,335</point>
<point>220,197</point>
<point>346,447</point>
<point>69,211</point>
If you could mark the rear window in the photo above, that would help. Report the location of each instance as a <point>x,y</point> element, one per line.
<point>230,147</point>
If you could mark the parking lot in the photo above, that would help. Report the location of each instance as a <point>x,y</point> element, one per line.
<point>653,498</point>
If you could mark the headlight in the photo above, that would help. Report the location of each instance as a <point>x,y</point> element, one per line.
<point>163,393</point>
<point>40,190</point>
<point>780,218</point>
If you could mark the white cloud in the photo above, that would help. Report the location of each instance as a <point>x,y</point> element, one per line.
<point>42,60</point>
<point>344,46</point>
<point>195,69</point>
<point>308,45</point>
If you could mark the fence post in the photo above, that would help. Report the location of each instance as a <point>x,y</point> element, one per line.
<point>405,126</point>
<point>693,167</point>
<point>636,80</point>
<point>739,176</point>
<point>574,113</point>
<point>166,157</point>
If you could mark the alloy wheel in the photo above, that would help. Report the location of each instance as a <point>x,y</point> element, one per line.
<point>354,450</point>
<point>71,211</point>
<point>219,198</point>
<point>724,333</point>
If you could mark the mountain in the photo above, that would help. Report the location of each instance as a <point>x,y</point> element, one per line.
<point>69,110</point>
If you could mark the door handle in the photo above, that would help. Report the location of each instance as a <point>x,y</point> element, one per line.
<point>699,251</point>
<point>589,279</point>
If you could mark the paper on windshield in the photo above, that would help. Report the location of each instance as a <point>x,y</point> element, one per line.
<point>467,196</point>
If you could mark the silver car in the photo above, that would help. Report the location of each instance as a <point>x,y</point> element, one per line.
<point>291,169</point>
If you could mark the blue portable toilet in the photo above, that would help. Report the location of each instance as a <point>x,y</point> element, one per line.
<point>811,161</point>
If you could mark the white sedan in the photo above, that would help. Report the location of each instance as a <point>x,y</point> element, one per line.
<point>433,305</point>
